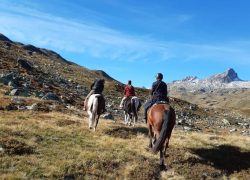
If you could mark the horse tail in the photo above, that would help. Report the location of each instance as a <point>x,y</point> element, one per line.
<point>164,132</point>
<point>133,108</point>
<point>95,106</point>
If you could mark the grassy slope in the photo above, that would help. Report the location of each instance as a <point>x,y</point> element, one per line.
<point>239,101</point>
<point>56,145</point>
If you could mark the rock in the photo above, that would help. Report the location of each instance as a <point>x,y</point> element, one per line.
<point>11,107</point>
<point>51,96</point>
<point>181,122</point>
<point>24,64</point>
<point>18,100</point>
<point>21,107</point>
<point>1,148</point>
<point>233,130</point>
<point>14,92</point>
<point>225,121</point>
<point>32,107</point>
<point>186,128</point>
<point>107,116</point>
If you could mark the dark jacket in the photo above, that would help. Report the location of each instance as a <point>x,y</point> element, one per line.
<point>159,91</point>
<point>97,86</point>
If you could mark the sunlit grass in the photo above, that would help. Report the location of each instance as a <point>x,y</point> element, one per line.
<point>64,147</point>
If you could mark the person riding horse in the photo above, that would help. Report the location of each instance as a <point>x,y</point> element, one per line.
<point>158,93</point>
<point>129,91</point>
<point>96,88</point>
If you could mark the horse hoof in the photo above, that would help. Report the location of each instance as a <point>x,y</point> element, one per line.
<point>163,167</point>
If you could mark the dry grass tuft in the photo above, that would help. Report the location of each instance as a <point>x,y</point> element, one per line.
<point>15,147</point>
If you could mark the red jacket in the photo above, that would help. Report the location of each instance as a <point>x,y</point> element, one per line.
<point>129,91</point>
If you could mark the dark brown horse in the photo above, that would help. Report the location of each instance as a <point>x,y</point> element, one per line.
<point>161,121</point>
<point>131,107</point>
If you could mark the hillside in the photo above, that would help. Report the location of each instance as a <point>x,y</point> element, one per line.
<point>49,73</point>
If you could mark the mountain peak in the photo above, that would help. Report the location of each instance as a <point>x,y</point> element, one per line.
<point>189,78</point>
<point>225,77</point>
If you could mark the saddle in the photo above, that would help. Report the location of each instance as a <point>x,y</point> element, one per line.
<point>160,102</point>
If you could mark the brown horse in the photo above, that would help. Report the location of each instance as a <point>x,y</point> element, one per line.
<point>161,121</point>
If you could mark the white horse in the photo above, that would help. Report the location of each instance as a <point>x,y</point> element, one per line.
<point>95,108</point>
<point>131,108</point>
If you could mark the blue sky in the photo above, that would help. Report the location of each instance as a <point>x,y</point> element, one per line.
<point>134,40</point>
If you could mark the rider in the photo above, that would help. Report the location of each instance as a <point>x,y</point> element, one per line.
<point>158,93</point>
<point>128,92</point>
<point>96,88</point>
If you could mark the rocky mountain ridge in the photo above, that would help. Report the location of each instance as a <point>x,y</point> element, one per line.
<point>226,80</point>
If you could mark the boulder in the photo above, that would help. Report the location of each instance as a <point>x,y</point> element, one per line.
<point>108,116</point>
<point>51,96</point>
<point>24,64</point>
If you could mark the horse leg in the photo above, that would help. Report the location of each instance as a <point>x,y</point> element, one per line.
<point>135,118</point>
<point>125,118</point>
<point>156,136</point>
<point>90,120</point>
<point>166,146</point>
<point>93,120</point>
<point>150,134</point>
<point>162,165</point>
<point>96,121</point>
<point>130,119</point>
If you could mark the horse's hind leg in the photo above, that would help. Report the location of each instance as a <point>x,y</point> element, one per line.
<point>125,118</point>
<point>90,121</point>
<point>134,121</point>
<point>166,146</point>
<point>96,121</point>
<point>150,134</point>
<point>135,117</point>
<point>93,120</point>
<point>162,165</point>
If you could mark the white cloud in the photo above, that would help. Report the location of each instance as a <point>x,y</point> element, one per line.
<point>44,30</point>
